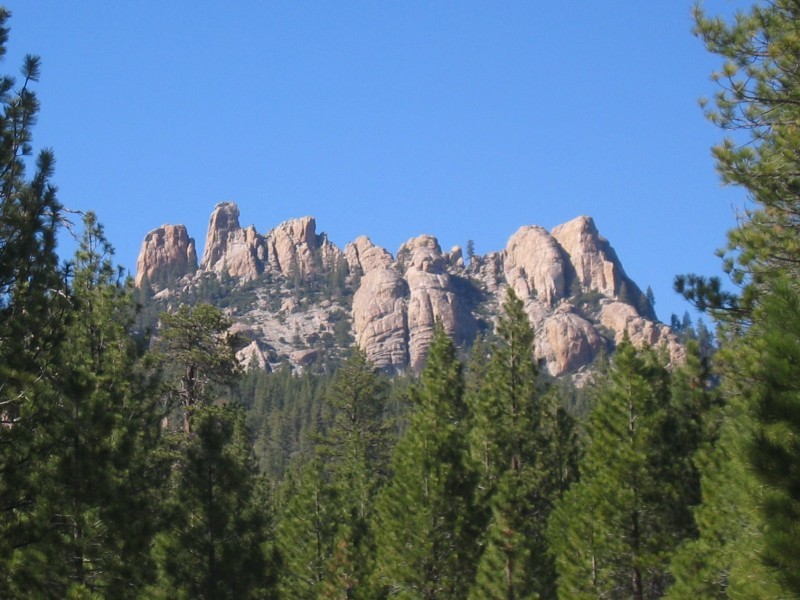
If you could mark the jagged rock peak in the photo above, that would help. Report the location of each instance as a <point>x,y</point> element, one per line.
<point>363,256</point>
<point>423,253</point>
<point>535,266</point>
<point>240,252</point>
<point>167,253</point>
<point>595,262</point>
<point>296,249</point>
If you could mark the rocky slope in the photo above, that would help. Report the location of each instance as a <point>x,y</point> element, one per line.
<point>297,298</point>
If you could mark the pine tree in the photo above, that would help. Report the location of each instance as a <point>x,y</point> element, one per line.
<point>758,86</point>
<point>34,306</point>
<point>774,452</point>
<point>324,528</point>
<point>105,424</point>
<point>615,530</point>
<point>430,551</point>
<point>306,531</point>
<point>216,538</point>
<point>197,351</point>
<point>356,449</point>
<point>724,560</point>
<point>512,442</point>
<point>216,543</point>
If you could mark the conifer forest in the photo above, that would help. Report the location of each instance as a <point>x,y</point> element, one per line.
<point>139,460</point>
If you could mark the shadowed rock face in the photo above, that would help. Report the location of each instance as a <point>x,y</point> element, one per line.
<point>166,252</point>
<point>575,291</point>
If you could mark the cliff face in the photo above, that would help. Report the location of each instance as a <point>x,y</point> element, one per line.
<point>167,253</point>
<point>229,248</point>
<point>301,287</point>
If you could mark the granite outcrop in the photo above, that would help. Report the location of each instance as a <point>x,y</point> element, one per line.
<point>303,298</point>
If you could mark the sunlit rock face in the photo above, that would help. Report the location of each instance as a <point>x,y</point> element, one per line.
<point>230,248</point>
<point>167,253</point>
<point>623,319</point>
<point>534,265</point>
<point>575,292</point>
<point>295,249</point>
<point>363,256</point>
<point>379,318</point>
<point>595,263</point>
<point>432,298</point>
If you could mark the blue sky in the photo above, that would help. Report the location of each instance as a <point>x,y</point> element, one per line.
<point>465,120</point>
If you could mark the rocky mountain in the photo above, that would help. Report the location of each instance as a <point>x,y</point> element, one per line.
<point>295,297</point>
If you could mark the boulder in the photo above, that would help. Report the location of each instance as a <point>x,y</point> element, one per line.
<point>254,356</point>
<point>567,342</point>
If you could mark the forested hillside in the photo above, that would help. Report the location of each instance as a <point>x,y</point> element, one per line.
<point>140,459</point>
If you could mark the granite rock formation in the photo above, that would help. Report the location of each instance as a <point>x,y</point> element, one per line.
<point>167,253</point>
<point>305,298</point>
<point>534,265</point>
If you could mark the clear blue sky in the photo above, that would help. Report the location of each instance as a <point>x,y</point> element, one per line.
<point>465,120</point>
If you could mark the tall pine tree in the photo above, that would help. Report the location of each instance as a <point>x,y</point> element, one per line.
<point>757,98</point>
<point>34,305</point>
<point>512,441</point>
<point>105,425</point>
<point>431,551</point>
<point>216,542</point>
<point>604,532</point>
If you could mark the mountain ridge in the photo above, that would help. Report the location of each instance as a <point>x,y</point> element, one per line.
<point>292,283</point>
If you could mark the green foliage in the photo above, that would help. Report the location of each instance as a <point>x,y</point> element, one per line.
<point>758,87</point>
<point>107,424</point>
<point>774,452</point>
<point>724,560</point>
<point>514,443</point>
<point>471,251</point>
<point>430,552</point>
<point>217,542</point>
<point>284,411</point>
<point>306,530</point>
<point>748,511</point>
<point>198,353</point>
<point>615,530</point>
<point>352,452</point>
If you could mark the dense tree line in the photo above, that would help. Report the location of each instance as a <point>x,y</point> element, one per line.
<point>136,466</point>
